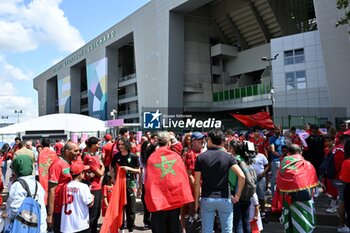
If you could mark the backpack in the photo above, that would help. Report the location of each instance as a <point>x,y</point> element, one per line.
<point>28,217</point>
<point>250,181</point>
<point>327,167</point>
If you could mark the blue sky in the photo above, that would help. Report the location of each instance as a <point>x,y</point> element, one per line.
<point>36,34</point>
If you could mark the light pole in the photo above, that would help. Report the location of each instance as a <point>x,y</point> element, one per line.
<point>4,118</point>
<point>18,112</point>
<point>114,113</point>
<point>272,91</point>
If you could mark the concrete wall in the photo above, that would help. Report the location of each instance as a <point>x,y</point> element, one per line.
<point>335,44</point>
<point>314,98</point>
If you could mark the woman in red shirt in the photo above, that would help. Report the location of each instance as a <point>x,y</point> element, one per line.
<point>345,177</point>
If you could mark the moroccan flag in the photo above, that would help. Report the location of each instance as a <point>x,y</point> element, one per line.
<point>262,119</point>
<point>114,214</point>
<point>298,216</point>
<point>296,174</point>
<point>166,183</point>
<point>46,158</point>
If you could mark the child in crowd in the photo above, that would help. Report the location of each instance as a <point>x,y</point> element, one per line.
<point>254,215</point>
<point>106,194</point>
<point>78,199</point>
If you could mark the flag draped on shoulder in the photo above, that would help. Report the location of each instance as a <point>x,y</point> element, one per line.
<point>114,214</point>
<point>45,159</point>
<point>296,174</point>
<point>167,185</point>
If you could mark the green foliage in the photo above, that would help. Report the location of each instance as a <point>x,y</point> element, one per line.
<point>343,4</point>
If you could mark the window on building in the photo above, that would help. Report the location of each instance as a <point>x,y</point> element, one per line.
<point>294,56</point>
<point>295,80</point>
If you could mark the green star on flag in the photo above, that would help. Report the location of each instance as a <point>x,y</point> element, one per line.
<point>166,166</point>
<point>289,163</point>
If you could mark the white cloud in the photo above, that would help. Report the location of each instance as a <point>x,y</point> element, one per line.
<point>24,27</point>
<point>8,89</point>
<point>8,105</point>
<point>11,72</point>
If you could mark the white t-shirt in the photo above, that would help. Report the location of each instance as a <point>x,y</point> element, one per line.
<point>75,215</point>
<point>260,161</point>
<point>254,202</point>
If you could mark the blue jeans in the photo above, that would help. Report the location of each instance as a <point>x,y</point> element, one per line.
<point>275,165</point>
<point>241,221</point>
<point>225,210</point>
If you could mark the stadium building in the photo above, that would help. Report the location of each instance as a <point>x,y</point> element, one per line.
<point>215,56</point>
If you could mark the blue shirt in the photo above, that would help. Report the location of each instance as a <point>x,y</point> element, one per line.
<point>278,142</point>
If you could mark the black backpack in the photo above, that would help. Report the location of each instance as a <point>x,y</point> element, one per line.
<point>327,167</point>
<point>250,181</point>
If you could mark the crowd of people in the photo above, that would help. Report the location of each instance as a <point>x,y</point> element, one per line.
<point>223,178</point>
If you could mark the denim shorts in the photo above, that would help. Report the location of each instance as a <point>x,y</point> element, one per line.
<point>339,185</point>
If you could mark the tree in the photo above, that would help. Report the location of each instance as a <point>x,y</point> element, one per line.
<point>343,4</point>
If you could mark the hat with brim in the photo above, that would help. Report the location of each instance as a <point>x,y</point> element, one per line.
<point>78,167</point>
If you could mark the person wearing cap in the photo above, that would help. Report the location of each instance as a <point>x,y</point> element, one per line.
<point>190,157</point>
<point>107,152</point>
<point>77,201</point>
<point>59,176</point>
<point>22,166</point>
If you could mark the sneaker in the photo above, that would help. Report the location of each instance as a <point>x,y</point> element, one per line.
<point>331,210</point>
<point>343,229</point>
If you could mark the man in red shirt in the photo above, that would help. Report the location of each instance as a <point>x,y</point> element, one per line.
<point>59,176</point>
<point>58,147</point>
<point>259,141</point>
<point>94,176</point>
<point>107,152</point>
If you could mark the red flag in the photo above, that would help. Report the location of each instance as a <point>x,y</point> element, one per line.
<point>166,182</point>
<point>46,158</point>
<point>262,119</point>
<point>114,214</point>
<point>296,174</point>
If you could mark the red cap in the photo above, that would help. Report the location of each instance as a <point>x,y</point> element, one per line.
<point>107,137</point>
<point>78,167</point>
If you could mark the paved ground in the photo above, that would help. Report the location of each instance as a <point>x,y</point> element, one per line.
<point>326,222</point>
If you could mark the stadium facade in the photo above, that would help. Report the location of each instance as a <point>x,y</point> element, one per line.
<point>214,56</point>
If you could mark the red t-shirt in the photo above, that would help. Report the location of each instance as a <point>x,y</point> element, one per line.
<point>296,140</point>
<point>94,163</point>
<point>106,192</point>
<point>339,157</point>
<point>107,151</point>
<point>59,173</point>
<point>345,171</point>
<point>58,147</point>
<point>190,160</point>
<point>260,143</point>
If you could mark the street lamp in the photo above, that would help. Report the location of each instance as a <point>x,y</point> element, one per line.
<point>18,112</point>
<point>272,91</point>
<point>4,118</point>
<point>114,113</point>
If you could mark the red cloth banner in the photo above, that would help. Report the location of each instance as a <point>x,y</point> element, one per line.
<point>262,119</point>
<point>45,159</point>
<point>296,174</point>
<point>114,214</point>
<point>166,182</point>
